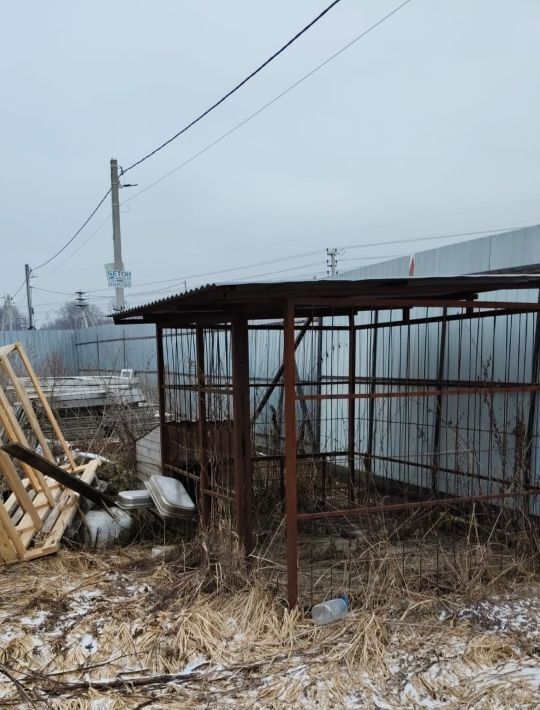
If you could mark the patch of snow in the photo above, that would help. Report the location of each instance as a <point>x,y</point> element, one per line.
<point>89,644</point>
<point>9,635</point>
<point>161,550</point>
<point>195,663</point>
<point>36,620</point>
<point>521,615</point>
<point>101,704</point>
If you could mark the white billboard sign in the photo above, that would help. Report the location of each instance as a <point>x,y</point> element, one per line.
<point>117,277</point>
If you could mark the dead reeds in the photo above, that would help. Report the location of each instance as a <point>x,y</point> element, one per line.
<point>196,624</point>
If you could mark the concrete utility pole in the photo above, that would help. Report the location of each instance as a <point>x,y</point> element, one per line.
<point>27,273</point>
<point>117,239</point>
<point>332,264</point>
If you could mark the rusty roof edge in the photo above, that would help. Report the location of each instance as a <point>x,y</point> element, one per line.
<point>517,280</point>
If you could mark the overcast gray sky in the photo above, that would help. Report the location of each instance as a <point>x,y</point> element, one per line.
<point>427,126</point>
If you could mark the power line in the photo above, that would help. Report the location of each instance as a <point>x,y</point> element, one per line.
<point>267,262</point>
<point>425,239</point>
<point>88,238</point>
<point>189,277</point>
<point>254,276</point>
<point>47,290</point>
<point>234,128</point>
<point>19,289</point>
<point>267,104</point>
<point>236,88</point>
<point>83,225</point>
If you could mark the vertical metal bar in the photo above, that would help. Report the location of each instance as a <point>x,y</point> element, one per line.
<point>290,455</point>
<point>318,377</point>
<point>161,396</point>
<point>352,405</point>
<point>529,436</point>
<point>204,498</point>
<point>373,387</point>
<point>438,406</point>
<point>243,479</point>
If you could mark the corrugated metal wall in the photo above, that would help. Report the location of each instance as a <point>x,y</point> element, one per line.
<point>109,348</point>
<point>51,352</point>
<point>501,251</point>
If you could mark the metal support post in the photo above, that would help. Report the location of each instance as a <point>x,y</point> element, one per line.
<point>352,406</point>
<point>372,389</point>
<point>290,455</point>
<point>438,406</point>
<point>531,419</point>
<point>243,478</point>
<point>161,396</point>
<point>204,499</point>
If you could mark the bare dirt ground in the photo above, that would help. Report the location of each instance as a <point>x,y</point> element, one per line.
<point>137,628</point>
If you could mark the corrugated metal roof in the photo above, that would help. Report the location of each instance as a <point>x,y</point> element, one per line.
<point>267,300</point>
<point>165,300</point>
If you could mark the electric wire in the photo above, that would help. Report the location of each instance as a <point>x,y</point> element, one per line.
<point>237,126</point>
<point>19,289</point>
<point>83,225</point>
<point>268,103</point>
<point>235,88</point>
<point>81,245</point>
<point>189,277</point>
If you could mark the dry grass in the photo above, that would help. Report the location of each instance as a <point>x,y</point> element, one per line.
<point>194,626</point>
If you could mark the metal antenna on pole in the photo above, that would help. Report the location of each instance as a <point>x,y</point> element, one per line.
<point>27,276</point>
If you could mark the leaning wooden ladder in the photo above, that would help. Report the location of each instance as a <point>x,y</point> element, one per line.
<point>38,509</point>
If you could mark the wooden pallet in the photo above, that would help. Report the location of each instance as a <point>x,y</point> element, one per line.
<point>38,509</point>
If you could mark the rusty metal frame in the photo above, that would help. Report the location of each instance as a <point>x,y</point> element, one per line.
<point>351,423</point>
<point>161,394</point>
<point>243,476</point>
<point>288,379</point>
<point>409,505</point>
<point>204,499</point>
<point>289,371</point>
<point>438,405</point>
<point>372,392</point>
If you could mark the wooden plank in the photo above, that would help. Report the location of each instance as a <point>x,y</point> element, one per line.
<point>14,432</point>
<point>11,504</point>
<point>7,551</point>
<point>67,515</point>
<point>11,532</point>
<point>24,400</point>
<point>12,477</point>
<point>53,516</point>
<point>43,509</point>
<point>45,404</point>
<point>6,349</point>
<point>66,478</point>
<point>66,505</point>
<point>40,552</point>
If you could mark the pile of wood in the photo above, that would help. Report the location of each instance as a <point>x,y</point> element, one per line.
<point>36,509</point>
